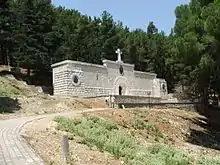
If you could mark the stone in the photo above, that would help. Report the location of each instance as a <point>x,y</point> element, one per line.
<point>80,79</point>
<point>119,53</point>
<point>39,89</point>
<point>10,76</point>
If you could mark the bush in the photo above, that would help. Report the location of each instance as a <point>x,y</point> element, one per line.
<point>9,88</point>
<point>106,136</point>
<point>139,124</point>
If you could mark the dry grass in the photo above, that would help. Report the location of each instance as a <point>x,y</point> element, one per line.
<point>46,141</point>
<point>106,136</point>
<point>11,88</point>
<point>155,137</point>
<point>18,99</point>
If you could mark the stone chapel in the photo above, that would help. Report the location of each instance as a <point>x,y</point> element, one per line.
<point>80,79</point>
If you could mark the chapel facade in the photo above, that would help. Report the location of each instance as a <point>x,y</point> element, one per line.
<point>80,79</point>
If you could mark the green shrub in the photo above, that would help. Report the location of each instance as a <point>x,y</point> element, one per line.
<point>139,124</point>
<point>9,88</point>
<point>106,136</point>
<point>208,161</point>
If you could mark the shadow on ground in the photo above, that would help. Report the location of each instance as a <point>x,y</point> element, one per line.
<point>36,79</point>
<point>209,136</point>
<point>9,105</point>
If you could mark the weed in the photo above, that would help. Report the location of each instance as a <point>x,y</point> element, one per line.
<point>106,136</point>
<point>142,113</point>
<point>208,161</point>
<point>140,124</point>
<point>9,88</point>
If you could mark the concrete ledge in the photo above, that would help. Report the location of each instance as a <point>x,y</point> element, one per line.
<point>77,63</point>
<point>145,73</point>
<point>184,106</point>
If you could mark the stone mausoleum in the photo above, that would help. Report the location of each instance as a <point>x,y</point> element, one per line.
<point>80,79</point>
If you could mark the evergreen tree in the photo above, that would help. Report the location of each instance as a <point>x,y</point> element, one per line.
<point>7,22</point>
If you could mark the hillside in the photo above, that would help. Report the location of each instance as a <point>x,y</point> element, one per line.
<point>132,136</point>
<point>19,99</point>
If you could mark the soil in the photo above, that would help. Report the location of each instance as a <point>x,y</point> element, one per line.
<point>29,101</point>
<point>185,130</point>
<point>175,125</point>
<point>38,105</point>
<point>46,141</point>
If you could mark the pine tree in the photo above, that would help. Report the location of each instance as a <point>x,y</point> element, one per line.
<point>6,31</point>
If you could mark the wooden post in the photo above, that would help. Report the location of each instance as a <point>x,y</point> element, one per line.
<point>65,148</point>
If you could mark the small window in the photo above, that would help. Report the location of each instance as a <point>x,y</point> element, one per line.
<point>121,70</point>
<point>97,76</point>
<point>75,79</point>
<point>163,87</point>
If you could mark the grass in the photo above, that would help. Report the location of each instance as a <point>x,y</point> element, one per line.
<point>10,88</point>
<point>106,136</point>
<point>140,124</point>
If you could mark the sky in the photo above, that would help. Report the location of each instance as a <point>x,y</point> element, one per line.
<point>133,13</point>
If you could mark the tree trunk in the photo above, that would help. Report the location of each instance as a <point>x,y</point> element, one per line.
<point>8,61</point>
<point>218,96</point>
<point>205,96</point>
<point>2,56</point>
<point>28,72</point>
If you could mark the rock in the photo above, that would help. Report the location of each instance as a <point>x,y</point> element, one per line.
<point>24,83</point>
<point>215,145</point>
<point>10,76</point>
<point>39,89</point>
<point>41,112</point>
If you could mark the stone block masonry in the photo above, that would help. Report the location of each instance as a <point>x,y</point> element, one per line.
<point>79,79</point>
<point>60,80</point>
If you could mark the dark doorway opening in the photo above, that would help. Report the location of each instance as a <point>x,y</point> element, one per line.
<point>120,90</point>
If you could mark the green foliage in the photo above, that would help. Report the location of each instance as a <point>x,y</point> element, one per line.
<point>140,124</point>
<point>107,137</point>
<point>101,133</point>
<point>196,55</point>
<point>208,161</point>
<point>10,88</point>
<point>35,34</point>
<point>44,34</point>
<point>7,24</point>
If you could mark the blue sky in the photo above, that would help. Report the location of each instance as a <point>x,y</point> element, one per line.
<point>133,13</point>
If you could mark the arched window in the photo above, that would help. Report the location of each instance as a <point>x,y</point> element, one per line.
<point>163,87</point>
<point>121,70</point>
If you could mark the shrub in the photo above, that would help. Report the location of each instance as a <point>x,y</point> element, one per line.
<point>139,124</point>
<point>106,136</point>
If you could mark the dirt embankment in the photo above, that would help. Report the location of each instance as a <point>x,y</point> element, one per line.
<point>177,127</point>
<point>173,127</point>
<point>19,99</point>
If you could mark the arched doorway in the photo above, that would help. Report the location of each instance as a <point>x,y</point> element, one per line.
<point>120,90</point>
<point>120,86</point>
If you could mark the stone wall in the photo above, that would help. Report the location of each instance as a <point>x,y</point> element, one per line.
<point>93,80</point>
<point>133,82</point>
<point>135,100</point>
<point>60,80</point>
<point>79,79</point>
<point>182,106</point>
<point>160,88</point>
<point>143,84</point>
<point>116,79</point>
